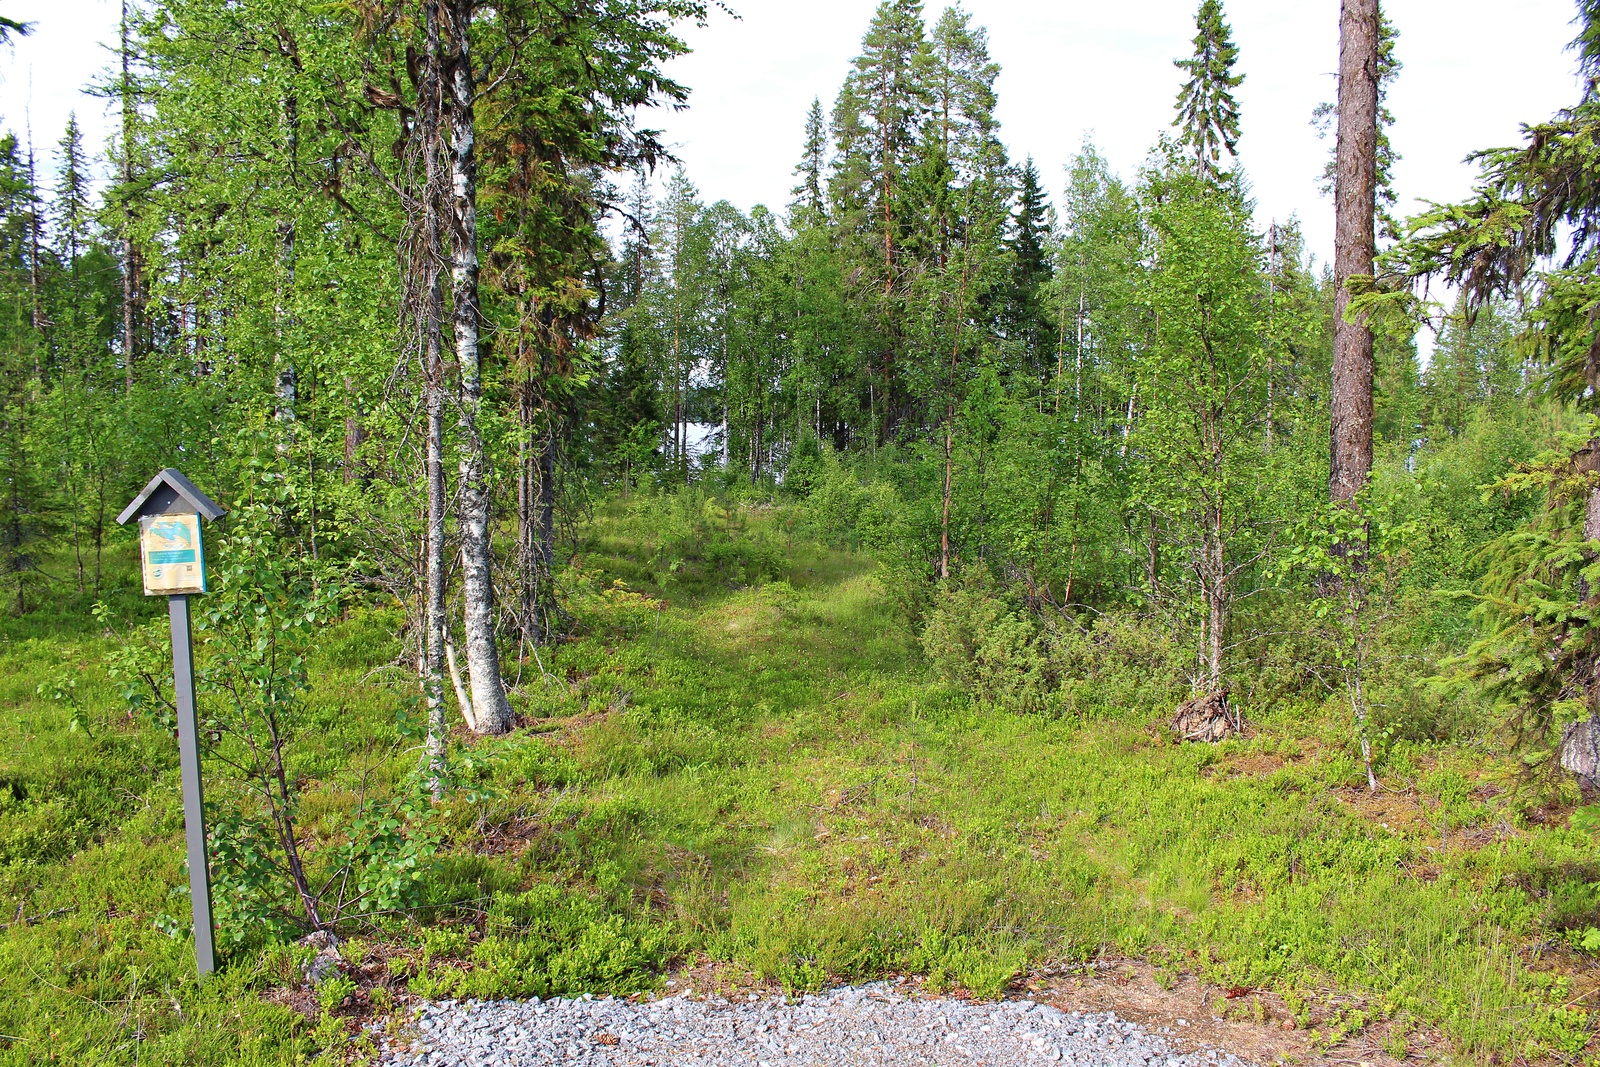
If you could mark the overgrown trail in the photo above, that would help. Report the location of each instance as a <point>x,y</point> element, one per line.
<point>767,788</point>
<point>776,770</point>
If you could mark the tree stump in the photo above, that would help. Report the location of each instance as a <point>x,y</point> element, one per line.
<point>326,962</point>
<point>1206,718</point>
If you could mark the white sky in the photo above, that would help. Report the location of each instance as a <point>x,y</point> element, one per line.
<point>1474,70</point>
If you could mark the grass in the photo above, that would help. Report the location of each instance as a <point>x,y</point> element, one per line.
<point>743,758</point>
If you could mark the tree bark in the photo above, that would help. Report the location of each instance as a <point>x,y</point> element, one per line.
<point>430,106</point>
<point>288,376</point>
<point>950,431</point>
<point>1216,597</point>
<point>130,260</point>
<point>287,387</point>
<point>1355,205</point>
<point>490,708</point>
<point>540,616</point>
<point>354,433</point>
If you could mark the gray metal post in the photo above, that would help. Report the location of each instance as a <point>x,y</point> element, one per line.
<point>194,823</point>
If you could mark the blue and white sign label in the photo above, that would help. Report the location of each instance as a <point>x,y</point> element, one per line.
<point>173,556</point>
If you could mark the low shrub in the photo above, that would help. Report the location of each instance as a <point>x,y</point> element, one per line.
<point>550,941</point>
<point>980,638</point>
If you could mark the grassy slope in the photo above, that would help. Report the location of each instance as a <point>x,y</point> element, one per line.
<point>768,776</point>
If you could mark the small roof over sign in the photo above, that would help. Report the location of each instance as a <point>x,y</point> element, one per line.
<point>168,493</point>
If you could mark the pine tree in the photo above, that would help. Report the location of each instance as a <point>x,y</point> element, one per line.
<point>1295,332</point>
<point>1207,111</point>
<point>876,120</point>
<point>875,124</point>
<point>73,214</point>
<point>78,293</point>
<point>678,305</point>
<point>1354,240</point>
<point>959,77</point>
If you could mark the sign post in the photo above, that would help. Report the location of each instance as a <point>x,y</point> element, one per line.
<point>172,557</point>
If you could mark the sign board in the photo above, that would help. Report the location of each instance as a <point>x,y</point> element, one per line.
<point>169,511</point>
<point>173,556</point>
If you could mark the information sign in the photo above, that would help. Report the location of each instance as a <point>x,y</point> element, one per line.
<point>172,553</point>
<point>169,511</point>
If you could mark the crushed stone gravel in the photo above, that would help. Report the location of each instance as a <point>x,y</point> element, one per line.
<point>860,1026</point>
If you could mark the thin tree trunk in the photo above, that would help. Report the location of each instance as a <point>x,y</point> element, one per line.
<point>434,569</point>
<point>1355,203</point>
<point>1274,266</point>
<point>283,816</point>
<point>944,514</point>
<point>677,375</point>
<point>527,466</point>
<point>33,268</point>
<point>288,383</point>
<point>755,447</point>
<point>17,560</point>
<point>463,701</point>
<point>536,518</point>
<point>287,389</point>
<point>1216,598</point>
<point>950,430</point>
<point>130,264</point>
<point>546,515</point>
<point>1077,363</point>
<point>354,433</point>
<point>99,532</point>
<point>490,708</point>
<point>431,255</point>
<point>1152,564</point>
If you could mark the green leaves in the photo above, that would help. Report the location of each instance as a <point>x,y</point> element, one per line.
<point>62,688</point>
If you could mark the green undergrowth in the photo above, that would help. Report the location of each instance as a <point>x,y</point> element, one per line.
<point>743,756</point>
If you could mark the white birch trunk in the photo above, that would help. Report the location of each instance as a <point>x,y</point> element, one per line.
<point>490,709</point>
<point>433,616</point>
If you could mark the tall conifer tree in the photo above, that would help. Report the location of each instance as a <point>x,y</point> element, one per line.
<point>1207,111</point>
<point>1030,271</point>
<point>813,162</point>
<point>1354,239</point>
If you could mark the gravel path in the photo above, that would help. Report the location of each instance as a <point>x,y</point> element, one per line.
<point>863,1025</point>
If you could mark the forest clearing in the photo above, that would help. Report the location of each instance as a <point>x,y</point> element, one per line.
<point>1095,621</point>
<point>765,786</point>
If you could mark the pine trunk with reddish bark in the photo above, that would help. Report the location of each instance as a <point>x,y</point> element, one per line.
<point>1355,205</point>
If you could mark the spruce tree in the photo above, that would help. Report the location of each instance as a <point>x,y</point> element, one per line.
<point>1030,271</point>
<point>20,491</point>
<point>813,162</point>
<point>1207,111</point>
<point>10,27</point>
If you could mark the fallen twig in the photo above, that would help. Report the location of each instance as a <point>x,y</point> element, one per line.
<point>35,919</point>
